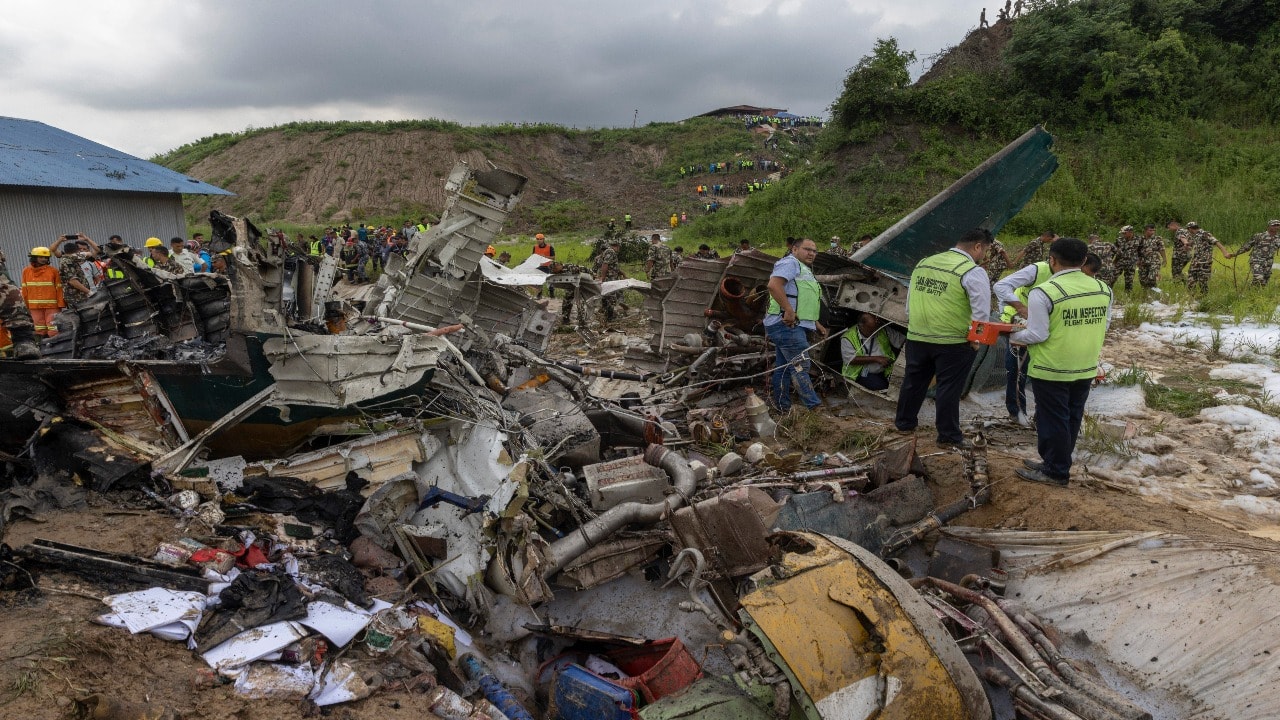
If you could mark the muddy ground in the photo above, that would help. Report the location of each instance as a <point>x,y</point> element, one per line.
<point>51,652</point>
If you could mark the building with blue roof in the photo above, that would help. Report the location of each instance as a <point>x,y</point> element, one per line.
<point>55,183</point>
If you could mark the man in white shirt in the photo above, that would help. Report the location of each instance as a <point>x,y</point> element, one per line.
<point>181,256</point>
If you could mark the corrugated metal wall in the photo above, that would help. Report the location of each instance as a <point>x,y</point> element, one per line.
<point>32,217</point>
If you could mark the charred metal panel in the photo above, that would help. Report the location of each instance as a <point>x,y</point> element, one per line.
<point>342,370</point>
<point>508,310</point>
<point>128,402</point>
<point>144,305</point>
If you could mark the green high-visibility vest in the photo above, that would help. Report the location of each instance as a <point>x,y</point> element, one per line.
<point>1042,273</point>
<point>808,300</point>
<point>1077,328</point>
<point>940,310</point>
<point>317,248</point>
<point>851,370</point>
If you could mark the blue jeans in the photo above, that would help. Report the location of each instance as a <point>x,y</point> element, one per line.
<point>790,344</point>
<point>1015,380</point>
<point>1059,412</point>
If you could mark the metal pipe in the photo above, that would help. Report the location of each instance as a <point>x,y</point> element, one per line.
<point>828,472</point>
<point>1075,700</point>
<point>1074,677</point>
<point>610,374</point>
<point>1025,694</point>
<point>597,530</point>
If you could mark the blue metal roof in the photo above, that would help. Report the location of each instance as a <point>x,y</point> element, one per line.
<point>34,154</point>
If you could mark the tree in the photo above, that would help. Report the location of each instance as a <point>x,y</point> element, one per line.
<point>874,87</point>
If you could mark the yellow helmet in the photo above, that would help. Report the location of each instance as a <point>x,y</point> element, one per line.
<point>154,242</point>
<point>490,252</point>
<point>41,252</point>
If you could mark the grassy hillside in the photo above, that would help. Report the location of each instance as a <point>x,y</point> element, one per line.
<point>311,174</point>
<point>1162,109</point>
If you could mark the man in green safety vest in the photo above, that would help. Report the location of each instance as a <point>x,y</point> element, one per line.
<point>794,305</point>
<point>1011,292</point>
<point>868,350</point>
<point>946,293</point>
<point>1067,319</point>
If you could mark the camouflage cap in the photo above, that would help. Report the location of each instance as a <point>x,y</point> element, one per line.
<point>1127,228</point>
<point>1273,223</point>
<point>1193,225</point>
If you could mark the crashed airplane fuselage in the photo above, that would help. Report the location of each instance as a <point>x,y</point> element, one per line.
<point>184,351</point>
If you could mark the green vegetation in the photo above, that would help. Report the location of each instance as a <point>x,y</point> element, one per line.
<point>1098,439</point>
<point>1186,394</point>
<point>562,215</point>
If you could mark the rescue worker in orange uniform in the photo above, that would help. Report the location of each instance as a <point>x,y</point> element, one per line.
<point>548,251</point>
<point>42,291</point>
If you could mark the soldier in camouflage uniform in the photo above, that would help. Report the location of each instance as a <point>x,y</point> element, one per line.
<point>607,267</point>
<point>1126,257</point>
<point>16,320</point>
<point>1262,249</point>
<point>659,263</point>
<point>161,259</point>
<point>75,285</point>
<point>1037,249</point>
<point>1201,267</point>
<point>1150,257</point>
<point>570,294</point>
<point>1106,253</point>
<point>1181,249</point>
<point>996,262</point>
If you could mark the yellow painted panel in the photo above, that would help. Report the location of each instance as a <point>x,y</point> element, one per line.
<point>834,624</point>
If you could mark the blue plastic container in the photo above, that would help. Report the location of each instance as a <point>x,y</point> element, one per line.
<point>580,694</point>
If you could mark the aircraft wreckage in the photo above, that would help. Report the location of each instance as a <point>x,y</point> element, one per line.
<point>524,539</point>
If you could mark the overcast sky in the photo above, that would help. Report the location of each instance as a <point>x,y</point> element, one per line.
<point>145,76</point>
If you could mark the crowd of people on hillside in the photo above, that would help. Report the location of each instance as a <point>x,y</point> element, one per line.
<point>721,168</point>
<point>775,121</point>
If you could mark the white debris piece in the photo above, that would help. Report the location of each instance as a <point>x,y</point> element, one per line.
<point>254,644</point>
<point>157,607</point>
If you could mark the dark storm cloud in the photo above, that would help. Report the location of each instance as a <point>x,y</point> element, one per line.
<point>576,63</point>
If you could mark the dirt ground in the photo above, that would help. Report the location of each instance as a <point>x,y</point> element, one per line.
<point>51,653</point>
